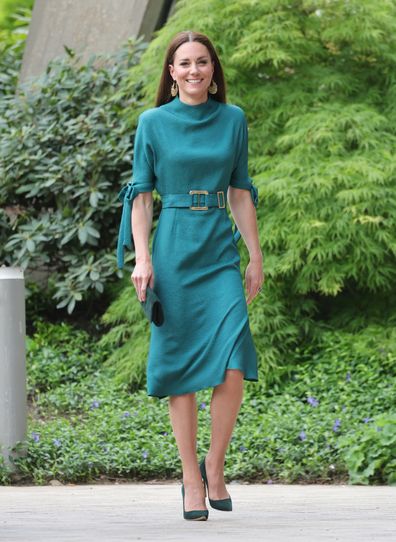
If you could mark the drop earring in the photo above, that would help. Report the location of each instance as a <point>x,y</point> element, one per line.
<point>212,87</point>
<point>174,88</point>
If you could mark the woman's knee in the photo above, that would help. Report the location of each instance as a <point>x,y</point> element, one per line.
<point>235,374</point>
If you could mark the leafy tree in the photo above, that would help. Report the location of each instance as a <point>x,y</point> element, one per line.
<point>316,80</point>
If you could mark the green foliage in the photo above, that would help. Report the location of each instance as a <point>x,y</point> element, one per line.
<point>13,32</point>
<point>11,12</point>
<point>127,339</point>
<point>370,452</point>
<point>4,471</point>
<point>319,425</point>
<point>59,354</point>
<point>65,153</point>
<point>316,80</point>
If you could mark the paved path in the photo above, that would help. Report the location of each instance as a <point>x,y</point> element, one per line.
<point>147,511</point>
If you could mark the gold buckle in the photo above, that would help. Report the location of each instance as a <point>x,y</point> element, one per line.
<point>218,200</point>
<point>199,208</point>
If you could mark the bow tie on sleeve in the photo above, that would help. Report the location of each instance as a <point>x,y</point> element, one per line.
<point>126,196</point>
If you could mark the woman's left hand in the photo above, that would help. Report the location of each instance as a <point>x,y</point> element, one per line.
<point>254,278</point>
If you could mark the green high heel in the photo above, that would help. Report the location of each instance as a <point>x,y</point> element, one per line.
<point>220,504</point>
<point>199,515</point>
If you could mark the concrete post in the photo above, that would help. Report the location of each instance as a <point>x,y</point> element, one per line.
<point>13,404</point>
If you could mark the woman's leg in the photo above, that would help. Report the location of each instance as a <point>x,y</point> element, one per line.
<point>184,420</point>
<point>224,407</point>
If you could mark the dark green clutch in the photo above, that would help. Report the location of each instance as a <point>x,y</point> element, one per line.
<point>152,307</point>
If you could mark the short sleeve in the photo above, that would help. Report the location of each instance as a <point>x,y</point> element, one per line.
<point>239,176</point>
<point>143,180</point>
<point>143,176</point>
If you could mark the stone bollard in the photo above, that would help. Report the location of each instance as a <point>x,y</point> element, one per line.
<point>13,403</point>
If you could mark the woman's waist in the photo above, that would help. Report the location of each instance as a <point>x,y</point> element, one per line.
<point>195,200</point>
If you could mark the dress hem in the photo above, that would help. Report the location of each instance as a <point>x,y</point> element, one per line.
<point>250,378</point>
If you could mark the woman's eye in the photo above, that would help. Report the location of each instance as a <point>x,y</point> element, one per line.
<point>200,62</point>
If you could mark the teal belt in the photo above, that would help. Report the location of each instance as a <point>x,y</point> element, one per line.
<point>196,200</point>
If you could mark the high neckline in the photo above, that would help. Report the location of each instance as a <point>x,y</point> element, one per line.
<point>196,111</point>
<point>177,98</point>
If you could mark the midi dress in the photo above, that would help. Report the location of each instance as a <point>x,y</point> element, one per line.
<point>181,147</point>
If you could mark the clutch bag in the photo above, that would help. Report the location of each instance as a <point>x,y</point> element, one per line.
<point>152,307</point>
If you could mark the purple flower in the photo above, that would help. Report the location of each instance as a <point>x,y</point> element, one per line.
<point>36,436</point>
<point>348,376</point>
<point>269,481</point>
<point>126,414</point>
<point>336,425</point>
<point>366,420</point>
<point>203,405</point>
<point>242,448</point>
<point>144,454</point>
<point>164,433</point>
<point>57,442</point>
<point>95,404</point>
<point>312,401</point>
<point>302,435</point>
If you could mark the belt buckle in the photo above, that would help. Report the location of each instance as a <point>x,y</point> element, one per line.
<point>218,200</point>
<point>198,207</point>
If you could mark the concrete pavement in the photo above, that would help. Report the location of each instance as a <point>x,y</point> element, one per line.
<point>153,511</point>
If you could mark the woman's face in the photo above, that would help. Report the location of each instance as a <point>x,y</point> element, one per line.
<point>193,70</point>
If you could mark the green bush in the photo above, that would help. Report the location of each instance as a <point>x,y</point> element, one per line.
<point>12,13</point>
<point>127,339</point>
<point>65,153</point>
<point>370,452</point>
<point>59,354</point>
<point>13,32</point>
<point>319,425</point>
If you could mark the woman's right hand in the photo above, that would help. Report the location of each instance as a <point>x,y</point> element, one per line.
<point>143,274</point>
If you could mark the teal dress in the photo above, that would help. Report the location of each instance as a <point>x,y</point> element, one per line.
<point>178,148</point>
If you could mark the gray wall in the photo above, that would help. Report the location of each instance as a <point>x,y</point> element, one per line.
<point>87,26</point>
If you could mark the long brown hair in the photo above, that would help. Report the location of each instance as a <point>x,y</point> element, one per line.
<point>164,89</point>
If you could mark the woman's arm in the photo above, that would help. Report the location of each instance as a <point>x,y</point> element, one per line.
<point>244,214</point>
<point>142,220</point>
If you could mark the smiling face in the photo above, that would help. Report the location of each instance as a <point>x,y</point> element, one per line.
<point>193,71</point>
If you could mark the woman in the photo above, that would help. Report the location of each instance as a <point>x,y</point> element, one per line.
<point>192,147</point>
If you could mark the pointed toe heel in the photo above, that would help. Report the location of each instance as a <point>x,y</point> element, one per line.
<point>197,515</point>
<point>225,505</point>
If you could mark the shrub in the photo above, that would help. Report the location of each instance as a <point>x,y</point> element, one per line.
<point>370,452</point>
<point>317,426</point>
<point>65,153</point>
<point>59,354</point>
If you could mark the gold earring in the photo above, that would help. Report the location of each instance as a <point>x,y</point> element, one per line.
<point>212,87</point>
<point>174,88</point>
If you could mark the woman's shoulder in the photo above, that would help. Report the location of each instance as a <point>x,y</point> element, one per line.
<point>235,111</point>
<point>148,114</point>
